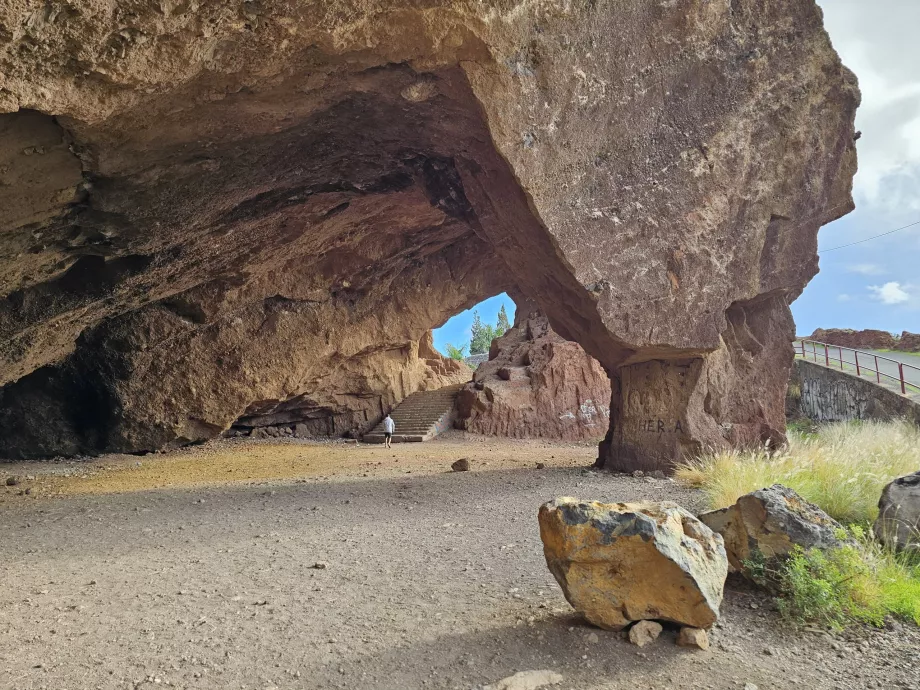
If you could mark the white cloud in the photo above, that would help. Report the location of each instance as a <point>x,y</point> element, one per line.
<point>843,298</point>
<point>866,269</point>
<point>877,41</point>
<point>890,293</point>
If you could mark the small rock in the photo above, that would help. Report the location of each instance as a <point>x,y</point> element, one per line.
<point>319,565</point>
<point>658,474</point>
<point>540,465</point>
<point>693,637</point>
<point>462,465</point>
<point>750,686</point>
<point>527,680</point>
<point>644,632</point>
<point>593,638</point>
<point>12,481</point>
<point>638,473</point>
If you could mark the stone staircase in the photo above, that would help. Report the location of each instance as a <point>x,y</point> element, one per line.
<point>420,417</point>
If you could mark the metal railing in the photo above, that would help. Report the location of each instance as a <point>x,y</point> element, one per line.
<point>821,352</point>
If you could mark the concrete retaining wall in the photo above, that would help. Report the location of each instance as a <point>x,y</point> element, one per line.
<point>831,395</point>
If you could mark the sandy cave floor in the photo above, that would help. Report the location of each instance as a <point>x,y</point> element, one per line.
<point>195,569</point>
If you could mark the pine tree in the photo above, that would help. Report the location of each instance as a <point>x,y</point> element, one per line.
<point>503,324</point>
<point>482,335</point>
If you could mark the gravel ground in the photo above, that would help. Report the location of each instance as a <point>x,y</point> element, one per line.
<point>352,568</point>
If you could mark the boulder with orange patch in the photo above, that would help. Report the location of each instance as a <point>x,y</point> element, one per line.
<point>624,562</point>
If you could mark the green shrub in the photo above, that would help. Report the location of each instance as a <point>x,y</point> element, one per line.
<point>861,582</point>
<point>832,588</point>
<point>455,352</point>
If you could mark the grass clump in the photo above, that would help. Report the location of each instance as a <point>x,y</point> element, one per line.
<point>840,467</point>
<point>861,582</point>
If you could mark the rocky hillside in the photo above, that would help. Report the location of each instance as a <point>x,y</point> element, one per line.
<point>868,339</point>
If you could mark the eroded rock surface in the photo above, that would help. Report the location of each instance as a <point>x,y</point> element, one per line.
<point>536,385</point>
<point>219,210</point>
<point>898,523</point>
<point>624,562</point>
<point>768,523</point>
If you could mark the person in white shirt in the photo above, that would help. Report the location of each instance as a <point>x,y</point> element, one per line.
<point>389,426</point>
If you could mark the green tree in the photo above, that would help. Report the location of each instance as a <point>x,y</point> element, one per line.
<point>455,352</point>
<point>482,335</point>
<point>503,326</point>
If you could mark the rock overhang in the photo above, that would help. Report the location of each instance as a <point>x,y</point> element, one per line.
<point>656,197</point>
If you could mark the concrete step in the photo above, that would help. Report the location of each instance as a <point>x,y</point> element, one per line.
<point>420,417</point>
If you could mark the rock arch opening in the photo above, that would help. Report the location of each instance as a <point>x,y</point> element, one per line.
<point>468,335</point>
<point>228,221</point>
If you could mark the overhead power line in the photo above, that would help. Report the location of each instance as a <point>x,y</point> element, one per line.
<point>890,232</point>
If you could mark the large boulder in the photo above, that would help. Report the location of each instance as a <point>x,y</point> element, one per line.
<point>624,562</point>
<point>768,523</point>
<point>898,522</point>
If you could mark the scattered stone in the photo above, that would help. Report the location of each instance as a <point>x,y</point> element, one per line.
<point>527,680</point>
<point>658,474</point>
<point>768,523</point>
<point>750,686</point>
<point>462,465</point>
<point>540,465</point>
<point>638,473</point>
<point>624,562</point>
<point>319,565</point>
<point>12,481</point>
<point>898,523</point>
<point>644,632</point>
<point>693,637</point>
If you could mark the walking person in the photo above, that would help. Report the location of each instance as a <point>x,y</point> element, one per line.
<point>389,426</point>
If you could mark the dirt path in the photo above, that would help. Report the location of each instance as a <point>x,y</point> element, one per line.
<point>432,579</point>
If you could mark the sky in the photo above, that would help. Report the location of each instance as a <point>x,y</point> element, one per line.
<point>457,329</point>
<point>875,284</point>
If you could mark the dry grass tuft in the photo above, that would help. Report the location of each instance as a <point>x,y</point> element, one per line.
<point>841,467</point>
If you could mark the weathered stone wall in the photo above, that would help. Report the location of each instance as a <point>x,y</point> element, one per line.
<point>831,395</point>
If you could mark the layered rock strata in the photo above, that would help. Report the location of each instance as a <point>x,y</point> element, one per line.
<point>219,210</point>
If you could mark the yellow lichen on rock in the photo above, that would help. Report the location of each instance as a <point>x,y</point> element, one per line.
<point>624,562</point>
